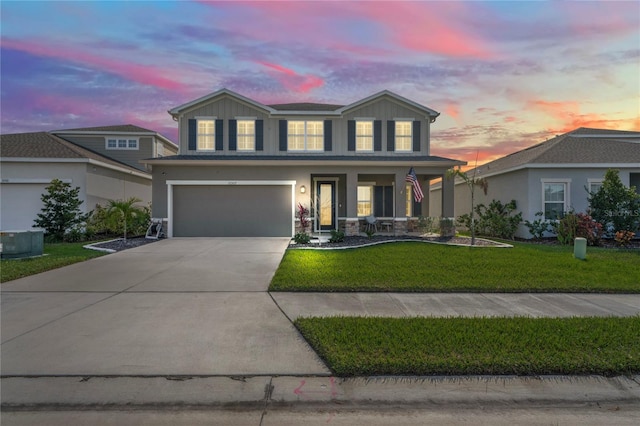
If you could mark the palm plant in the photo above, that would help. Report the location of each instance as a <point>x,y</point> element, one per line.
<point>126,209</point>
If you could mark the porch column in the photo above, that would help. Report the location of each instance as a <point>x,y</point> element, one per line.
<point>447,196</point>
<point>352,226</point>
<point>400,195</point>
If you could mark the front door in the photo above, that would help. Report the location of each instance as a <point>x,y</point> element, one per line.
<point>326,205</point>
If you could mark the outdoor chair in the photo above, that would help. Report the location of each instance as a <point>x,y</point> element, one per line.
<point>371,223</point>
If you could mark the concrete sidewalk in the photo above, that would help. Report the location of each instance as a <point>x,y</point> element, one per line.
<point>296,305</point>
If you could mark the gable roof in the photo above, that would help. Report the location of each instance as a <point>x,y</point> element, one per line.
<point>119,129</point>
<point>583,146</point>
<point>304,107</point>
<point>46,145</point>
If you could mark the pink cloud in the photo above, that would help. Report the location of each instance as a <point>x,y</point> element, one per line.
<point>568,116</point>
<point>139,73</point>
<point>410,26</point>
<point>293,81</point>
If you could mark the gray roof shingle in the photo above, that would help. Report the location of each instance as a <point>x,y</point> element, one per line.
<point>46,145</point>
<point>123,128</point>
<point>580,146</point>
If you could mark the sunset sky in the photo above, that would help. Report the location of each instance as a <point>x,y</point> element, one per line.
<point>504,75</point>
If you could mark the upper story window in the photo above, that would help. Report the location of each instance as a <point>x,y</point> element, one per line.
<point>364,135</point>
<point>206,135</point>
<point>305,136</point>
<point>246,135</point>
<point>160,149</point>
<point>121,143</point>
<point>555,198</point>
<point>404,136</point>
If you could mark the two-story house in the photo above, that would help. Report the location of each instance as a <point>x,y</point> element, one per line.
<point>102,161</point>
<point>243,166</point>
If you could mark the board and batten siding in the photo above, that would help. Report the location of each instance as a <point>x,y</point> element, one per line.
<point>382,110</point>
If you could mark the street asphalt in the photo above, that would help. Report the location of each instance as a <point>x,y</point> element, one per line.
<point>167,332</point>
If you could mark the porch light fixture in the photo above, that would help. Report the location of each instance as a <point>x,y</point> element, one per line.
<point>303,189</point>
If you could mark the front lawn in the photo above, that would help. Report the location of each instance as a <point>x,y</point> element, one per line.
<point>57,255</point>
<point>424,267</point>
<point>475,346</point>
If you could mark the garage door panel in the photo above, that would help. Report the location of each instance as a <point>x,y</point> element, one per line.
<point>232,211</point>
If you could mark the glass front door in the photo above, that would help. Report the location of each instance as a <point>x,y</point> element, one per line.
<point>326,205</point>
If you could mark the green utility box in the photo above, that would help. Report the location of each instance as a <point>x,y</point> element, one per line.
<point>18,244</point>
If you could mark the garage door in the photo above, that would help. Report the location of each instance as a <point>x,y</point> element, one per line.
<point>232,211</point>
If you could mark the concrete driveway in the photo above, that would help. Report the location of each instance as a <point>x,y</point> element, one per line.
<point>184,306</point>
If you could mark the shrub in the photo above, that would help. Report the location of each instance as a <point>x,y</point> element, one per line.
<point>589,229</point>
<point>566,228</point>
<point>538,227</point>
<point>497,220</point>
<point>336,236</point>
<point>614,205</point>
<point>61,211</point>
<point>428,224</point>
<point>303,215</point>
<point>302,238</point>
<point>623,238</point>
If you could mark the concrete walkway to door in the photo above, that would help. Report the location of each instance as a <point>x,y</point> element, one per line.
<point>183,306</point>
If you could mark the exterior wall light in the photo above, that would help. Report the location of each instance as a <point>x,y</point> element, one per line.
<point>303,189</point>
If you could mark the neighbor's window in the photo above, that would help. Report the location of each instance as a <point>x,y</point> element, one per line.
<point>365,200</point>
<point>409,200</point>
<point>364,135</point>
<point>122,143</point>
<point>404,141</point>
<point>206,135</point>
<point>594,185</point>
<point>305,136</point>
<point>555,199</point>
<point>246,135</point>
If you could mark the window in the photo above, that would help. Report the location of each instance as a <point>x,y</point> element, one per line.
<point>364,135</point>
<point>365,200</point>
<point>122,143</point>
<point>305,136</point>
<point>555,199</point>
<point>409,200</point>
<point>594,185</point>
<point>206,135</point>
<point>404,141</point>
<point>246,135</point>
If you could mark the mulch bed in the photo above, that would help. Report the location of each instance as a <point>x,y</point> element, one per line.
<point>358,241</point>
<point>120,244</point>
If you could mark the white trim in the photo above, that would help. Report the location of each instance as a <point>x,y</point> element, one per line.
<point>567,192</point>
<point>118,139</point>
<point>138,173</point>
<point>373,161</point>
<point>172,183</point>
<point>181,109</point>
<point>34,180</point>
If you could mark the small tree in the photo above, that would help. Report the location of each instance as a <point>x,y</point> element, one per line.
<point>61,211</point>
<point>126,210</point>
<point>472,182</point>
<point>614,205</point>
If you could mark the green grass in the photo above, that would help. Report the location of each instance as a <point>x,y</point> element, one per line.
<point>423,267</point>
<point>475,346</point>
<point>57,255</point>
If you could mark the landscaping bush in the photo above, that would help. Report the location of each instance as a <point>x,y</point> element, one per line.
<point>102,221</point>
<point>573,225</point>
<point>538,227</point>
<point>336,236</point>
<point>497,220</point>
<point>615,206</point>
<point>302,238</point>
<point>61,211</point>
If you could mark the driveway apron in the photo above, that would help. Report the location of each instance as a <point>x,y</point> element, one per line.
<point>183,306</point>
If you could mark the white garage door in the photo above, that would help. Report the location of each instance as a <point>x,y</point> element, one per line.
<point>232,210</point>
<point>20,204</point>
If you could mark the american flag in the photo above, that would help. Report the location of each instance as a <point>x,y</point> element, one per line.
<point>413,179</point>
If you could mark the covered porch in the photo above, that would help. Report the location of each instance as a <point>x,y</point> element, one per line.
<point>374,200</point>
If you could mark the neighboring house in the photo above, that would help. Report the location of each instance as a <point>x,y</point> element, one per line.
<point>244,166</point>
<point>554,176</point>
<point>85,158</point>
